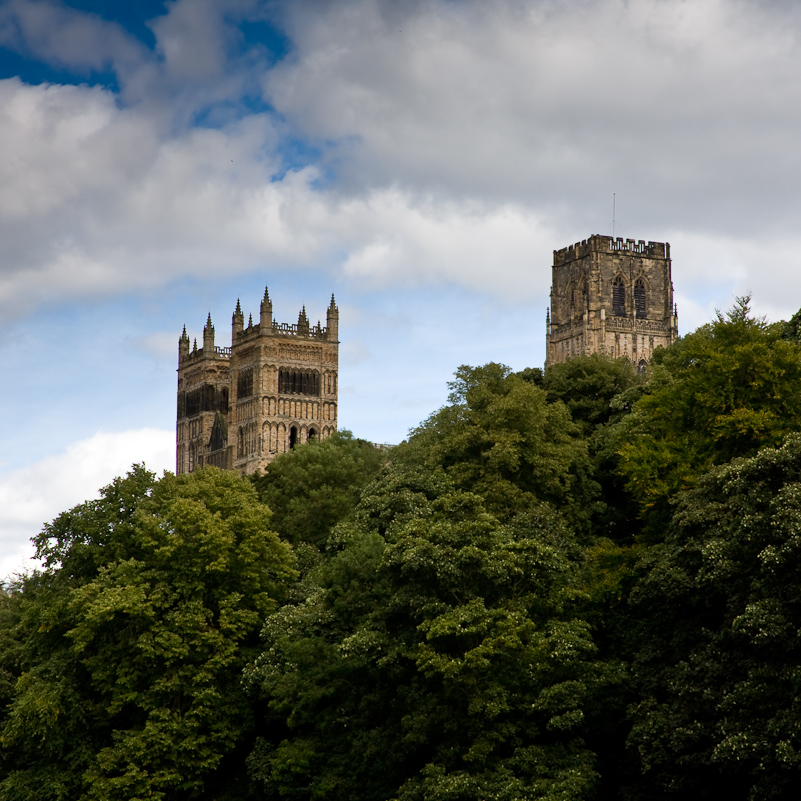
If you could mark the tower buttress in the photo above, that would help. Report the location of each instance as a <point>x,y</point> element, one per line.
<point>266,313</point>
<point>332,320</point>
<point>183,346</point>
<point>208,338</point>
<point>303,322</point>
<point>237,322</point>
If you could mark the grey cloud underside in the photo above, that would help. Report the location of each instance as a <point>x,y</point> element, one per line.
<point>439,125</point>
<point>689,111</point>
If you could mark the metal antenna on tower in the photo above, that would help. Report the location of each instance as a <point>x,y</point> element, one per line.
<point>613,215</point>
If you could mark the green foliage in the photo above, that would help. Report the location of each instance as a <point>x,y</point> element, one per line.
<point>587,385</point>
<point>435,654</point>
<point>716,639</point>
<point>455,620</point>
<point>312,487</point>
<point>724,391</point>
<point>135,637</point>
<point>792,328</point>
<point>499,437</point>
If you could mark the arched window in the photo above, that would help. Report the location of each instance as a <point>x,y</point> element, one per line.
<point>298,382</point>
<point>240,442</point>
<point>578,300</point>
<point>293,437</point>
<point>618,297</point>
<point>192,453</point>
<point>641,366</point>
<point>244,384</point>
<point>312,435</point>
<point>639,298</point>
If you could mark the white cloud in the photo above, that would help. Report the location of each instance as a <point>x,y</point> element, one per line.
<point>63,36</point>
<point>460,143</point>
<point>33,495</point>
<point>95,204</point>
<point>688,108</point>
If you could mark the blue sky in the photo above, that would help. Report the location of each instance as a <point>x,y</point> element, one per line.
<point>421,160</point>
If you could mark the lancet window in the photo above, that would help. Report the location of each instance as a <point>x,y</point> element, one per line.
<point>639,298</point>
<point>298,382</point>
<point>618,297</point>
<point>244,384</point>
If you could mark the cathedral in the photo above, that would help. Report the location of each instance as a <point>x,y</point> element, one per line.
<point>610,296</point>
<point>273,388</point>
<point>276,385</point>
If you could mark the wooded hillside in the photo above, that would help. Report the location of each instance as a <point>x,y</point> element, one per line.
<point>576,584</point>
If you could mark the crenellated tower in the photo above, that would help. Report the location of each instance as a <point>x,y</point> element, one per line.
<point>611,296</point>
<point>273,388</point>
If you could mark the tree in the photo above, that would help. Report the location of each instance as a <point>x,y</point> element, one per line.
<point>726,390</point>
<point>312,487</point>
<point>714,629</point>
<point>499,437</point>
<point>134,639</point>
<point>436,654</point>
<point>587,385</point>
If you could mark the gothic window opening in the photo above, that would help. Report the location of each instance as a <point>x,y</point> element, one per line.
<point>312,434</point>
<point>639,298</point>
<point>298,382</point>
<point>240,442</point>
<point>641,367</point>
<point>293,437</point>
<point>580,301</point>
<point>618,297</point>
<point>219,434</point>
<point>244,384</point>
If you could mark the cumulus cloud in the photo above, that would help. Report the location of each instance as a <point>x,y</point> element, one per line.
<point>94,203</point>
<point>689,109</point>
<point>67,38</point>
<point>33,495</point>
<point>439,142</point>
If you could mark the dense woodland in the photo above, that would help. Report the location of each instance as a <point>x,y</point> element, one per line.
<point>576,584</point>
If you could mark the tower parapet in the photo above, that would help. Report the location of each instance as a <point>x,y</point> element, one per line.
<point>611,296</point>
<point>273,388</point>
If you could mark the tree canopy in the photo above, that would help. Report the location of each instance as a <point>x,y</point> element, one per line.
<point>436,655</point>
<point>716,647</point>
<point>501,438</point>
<point>310,489</point>
<point>134,639</point>
<point>572,585</point>
<point>726,390</point>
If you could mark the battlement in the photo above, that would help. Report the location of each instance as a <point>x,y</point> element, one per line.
<point>198,354</point>
<point>295,330</point>
<point>606,244</point>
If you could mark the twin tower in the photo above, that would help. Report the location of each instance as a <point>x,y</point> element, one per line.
<point>275,387</point>
<point>613,297</point>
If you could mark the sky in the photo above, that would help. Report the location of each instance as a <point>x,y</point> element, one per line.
<point>421,159</point>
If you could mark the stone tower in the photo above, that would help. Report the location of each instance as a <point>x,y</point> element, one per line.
<point>610,296</point>
<point>274,388</point>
